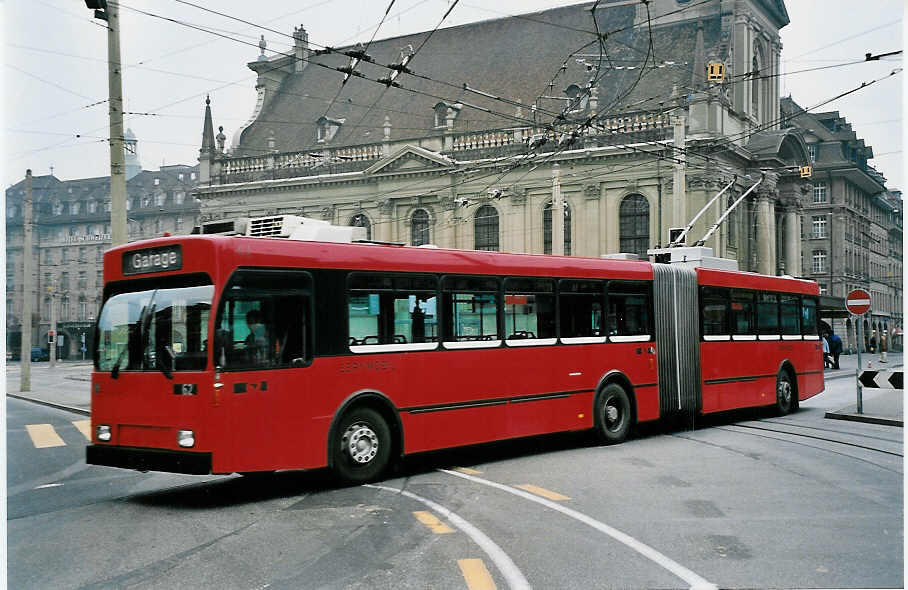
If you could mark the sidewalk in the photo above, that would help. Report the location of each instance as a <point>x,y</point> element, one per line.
<point>880,406</point>
<point>66,387</point>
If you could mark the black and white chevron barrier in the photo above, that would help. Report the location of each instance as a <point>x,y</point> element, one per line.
<point>881,379</point>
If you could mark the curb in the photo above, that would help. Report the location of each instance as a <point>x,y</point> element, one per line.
<point>865,418</point>
<point>66,408</point>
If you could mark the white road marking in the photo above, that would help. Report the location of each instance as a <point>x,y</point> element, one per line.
<point>49,485</point>
<point>508,569</point>
<point>696,582</point>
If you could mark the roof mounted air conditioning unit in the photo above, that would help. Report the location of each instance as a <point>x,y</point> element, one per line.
<point>294,227</point>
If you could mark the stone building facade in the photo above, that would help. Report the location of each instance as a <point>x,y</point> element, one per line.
<point>852,235</point>
<point>70,234</point>
<point>636,145</point>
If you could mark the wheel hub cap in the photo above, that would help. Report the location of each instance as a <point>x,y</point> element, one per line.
<point>360,442</point>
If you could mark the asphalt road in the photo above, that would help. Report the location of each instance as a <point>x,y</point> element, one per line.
<point>742,501</point>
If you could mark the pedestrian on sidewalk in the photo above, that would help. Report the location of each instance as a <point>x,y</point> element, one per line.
<point>884,347</point>
<point>835,349</point>
<point>827,360</point>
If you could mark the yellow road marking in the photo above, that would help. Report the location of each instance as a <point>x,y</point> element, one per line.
<point>543,492</point>
<point>84,427</point>
<point>44,435</point>
<point>475,573</point>
<point>468,471</point>
<point>432,522</point>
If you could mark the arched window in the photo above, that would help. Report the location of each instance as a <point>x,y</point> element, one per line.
<point>633,224</point>
<point>419,228</point>
<point>732,223</point>
<point>547,229</point>
<point>361,220</point>
<point>486,229</point>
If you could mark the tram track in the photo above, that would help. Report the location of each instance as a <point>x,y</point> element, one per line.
<point>838,449</point>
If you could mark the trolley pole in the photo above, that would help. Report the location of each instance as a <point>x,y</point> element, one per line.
<point>28,288</point>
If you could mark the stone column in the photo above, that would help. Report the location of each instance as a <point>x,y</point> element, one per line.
<point>765,234</point>
<point>792,240</point>
<point>679,175</point>
<point>557,213</point>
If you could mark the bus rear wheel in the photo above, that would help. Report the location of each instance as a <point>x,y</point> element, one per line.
<point>612,418</point>
<point>362,446</point>
<point>785,393</point>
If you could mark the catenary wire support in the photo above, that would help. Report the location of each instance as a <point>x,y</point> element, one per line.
<point>728,211</point>
<point>680,239</point>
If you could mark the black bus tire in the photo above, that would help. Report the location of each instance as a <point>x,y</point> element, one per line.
<point>362,446</point>
<point>785,393</point>
<point>612,414</point>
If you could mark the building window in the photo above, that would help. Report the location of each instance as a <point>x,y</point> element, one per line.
<point>819,192</point>
<point>419,228</point>
<point>92,206</point>
<point>547,229</point>
<point>158,227</point>
<point>812,152</point>
<point>361,220</point>
<point>160,199</point>
<point>179,222</point>
<point>486,229</point>
<point>178,197</point>
<point>755,87</point>
<point>819,261</point>
<point>819,226</point>
<point>64,258</point>
<point>633,224</point>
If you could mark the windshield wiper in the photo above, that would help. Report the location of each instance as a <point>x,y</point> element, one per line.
<point>115,372</point>
<point>163,367</point>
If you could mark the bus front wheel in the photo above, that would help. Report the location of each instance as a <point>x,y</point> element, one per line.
<point>362,446</point>
<point>612,414</point>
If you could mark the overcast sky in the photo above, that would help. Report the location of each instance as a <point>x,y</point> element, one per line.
<point>55,75</point>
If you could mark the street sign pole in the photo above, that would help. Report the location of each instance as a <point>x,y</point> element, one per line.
<point>858,303</point>
<point>860,405</point>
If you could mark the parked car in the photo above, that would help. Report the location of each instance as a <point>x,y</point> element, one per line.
<point>40,354</point>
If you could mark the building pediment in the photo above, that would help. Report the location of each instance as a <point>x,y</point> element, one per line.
<point>410,159</point>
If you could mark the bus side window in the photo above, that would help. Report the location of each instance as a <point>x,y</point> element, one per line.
<point>264,322</point>
<point>790,312</point>
<point>767,314</point>
<point>529,309</point>
<point>714,312</point>
<point>385,309</point>
<point>742,313</point>
<point>629,306</point>
<point>580,308</point>
<point>809,316</point>
<point>470,309</point>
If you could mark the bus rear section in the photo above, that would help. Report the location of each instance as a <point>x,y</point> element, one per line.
<point>759,341</point>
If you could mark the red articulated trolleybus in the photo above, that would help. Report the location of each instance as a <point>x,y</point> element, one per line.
<point>242,353</point>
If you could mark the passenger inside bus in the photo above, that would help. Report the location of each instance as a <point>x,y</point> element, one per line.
<point>257,340</point>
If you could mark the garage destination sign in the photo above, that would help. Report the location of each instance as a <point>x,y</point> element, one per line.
<point>153,260</point>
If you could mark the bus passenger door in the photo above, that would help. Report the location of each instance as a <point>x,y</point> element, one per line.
<point>264,346</point>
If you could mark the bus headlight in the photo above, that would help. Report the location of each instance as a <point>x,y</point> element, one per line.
<point>103,432</point>
<point>185,438</point>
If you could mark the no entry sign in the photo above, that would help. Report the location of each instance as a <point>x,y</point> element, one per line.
<point>858,302</point>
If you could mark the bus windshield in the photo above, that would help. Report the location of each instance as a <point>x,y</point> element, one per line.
<point>162,329</point>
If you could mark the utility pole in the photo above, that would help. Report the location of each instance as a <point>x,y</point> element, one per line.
<point>111,13</point>
<point>52,341</point>
<point>28,288</point>
<point>557,212</point>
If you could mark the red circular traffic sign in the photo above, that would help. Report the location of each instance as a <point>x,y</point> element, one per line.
<point>858,302</point>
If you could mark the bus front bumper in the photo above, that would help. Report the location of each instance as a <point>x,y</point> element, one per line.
<point>149,459</point>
